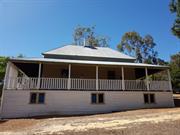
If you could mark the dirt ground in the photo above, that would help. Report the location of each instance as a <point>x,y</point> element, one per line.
<point>165,121</point>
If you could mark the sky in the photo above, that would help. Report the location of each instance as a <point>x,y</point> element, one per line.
<point>30,27</point>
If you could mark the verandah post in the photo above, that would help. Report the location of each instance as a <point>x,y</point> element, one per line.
<point>5,86</point>
<point>39,77</point>
<point>69,77</point>
<point>123,83</point>
<point>147,78</point>
<point>97,78</point>
<point>169,79</point>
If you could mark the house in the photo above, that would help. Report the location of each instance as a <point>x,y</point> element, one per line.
<point>82,80</point>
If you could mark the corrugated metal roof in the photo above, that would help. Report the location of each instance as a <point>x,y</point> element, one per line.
<point>74,50</point>
<point>36,60</point>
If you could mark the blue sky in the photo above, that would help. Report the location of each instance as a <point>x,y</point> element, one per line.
<point>31,27</point>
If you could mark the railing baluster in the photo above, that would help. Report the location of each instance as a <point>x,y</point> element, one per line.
<point>83,84</point>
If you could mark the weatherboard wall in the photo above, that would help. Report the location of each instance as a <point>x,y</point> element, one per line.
<point>86,71</point>
<point>16,102</point>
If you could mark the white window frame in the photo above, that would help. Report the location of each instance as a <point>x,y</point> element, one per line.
<point>97,98</point>
<point>37,97</point>
<point>149,98</point>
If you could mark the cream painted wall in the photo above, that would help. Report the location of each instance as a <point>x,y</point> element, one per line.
<point>16,102</point>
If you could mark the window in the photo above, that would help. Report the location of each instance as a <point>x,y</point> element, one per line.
<point>149,98</point>
<point>93,98</point>
<point>33,98</point>
<point>37,98</point>
<point>152,99</point>
<point>97,98</point>
<point>41,98</point>
<point>64,73</point>
<point>100,98</point>
<point>146,98</point>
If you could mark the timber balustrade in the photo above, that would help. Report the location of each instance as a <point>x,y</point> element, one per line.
<point>135,85</point>
<point>110,84</point>
<point>83,84</point>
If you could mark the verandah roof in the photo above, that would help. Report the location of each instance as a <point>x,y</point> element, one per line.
<point>50,60</point>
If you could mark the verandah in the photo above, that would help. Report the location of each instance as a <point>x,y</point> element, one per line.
<point>86,77</point>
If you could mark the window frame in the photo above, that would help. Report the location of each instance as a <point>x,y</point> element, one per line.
<point>37,97</point>
<point>92,100</point>
<point>39,102</point>
<point>35,100</point>
<point>146,96</point>
<point>149,99</point>
<point>97,98</point>
<point>152,94</point>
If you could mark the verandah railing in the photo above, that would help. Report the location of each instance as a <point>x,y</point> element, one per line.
<point>53,83</point>
<point>21,83</point>
<point>83,84</point>
<point>110,84</point>
<point>159,85</point>
<point>135,85</point>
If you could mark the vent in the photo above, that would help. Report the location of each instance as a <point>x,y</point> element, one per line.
<point>90,46</point>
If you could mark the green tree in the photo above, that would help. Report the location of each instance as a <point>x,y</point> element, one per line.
<point>86,35</point>
<point>174,7</point>
<point>142,48</point>
<point>175,70</point>
<point>3,62</point>
<point>162,62</point>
